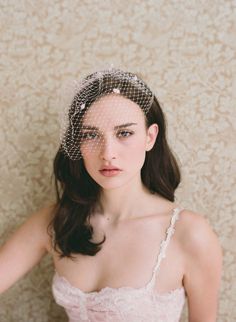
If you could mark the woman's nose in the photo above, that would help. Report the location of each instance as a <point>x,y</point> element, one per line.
<point>108,149</point>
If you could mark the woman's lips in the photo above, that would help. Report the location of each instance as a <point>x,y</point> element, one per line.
<point>110,172</point>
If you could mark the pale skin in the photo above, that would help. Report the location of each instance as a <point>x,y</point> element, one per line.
<point>134,222</point>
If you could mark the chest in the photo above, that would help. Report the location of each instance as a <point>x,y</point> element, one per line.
<point>127,258</point>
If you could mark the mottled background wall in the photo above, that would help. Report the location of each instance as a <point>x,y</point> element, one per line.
<point>185,51</point>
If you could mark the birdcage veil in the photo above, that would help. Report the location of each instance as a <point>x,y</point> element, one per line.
<point>80,95</point>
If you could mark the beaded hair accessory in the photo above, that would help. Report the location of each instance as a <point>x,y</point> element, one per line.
<point>83,119</point>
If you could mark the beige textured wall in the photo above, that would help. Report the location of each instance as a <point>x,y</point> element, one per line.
<point>186,50</point>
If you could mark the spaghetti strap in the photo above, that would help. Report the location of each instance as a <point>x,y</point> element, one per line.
<point>163,246</point>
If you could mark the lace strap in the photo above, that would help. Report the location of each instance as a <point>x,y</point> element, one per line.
<point>163,246</point>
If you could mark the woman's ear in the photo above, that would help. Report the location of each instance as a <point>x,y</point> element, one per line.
<point>152,133</point>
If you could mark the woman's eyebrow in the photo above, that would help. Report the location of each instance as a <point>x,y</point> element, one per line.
<point>89,127</point>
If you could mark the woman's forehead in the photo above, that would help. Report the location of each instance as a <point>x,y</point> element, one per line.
<point>113,110</point>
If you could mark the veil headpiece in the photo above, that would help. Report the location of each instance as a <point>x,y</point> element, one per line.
<point>85,93</point>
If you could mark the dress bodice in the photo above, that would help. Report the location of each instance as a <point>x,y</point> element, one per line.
<point>126,303</point>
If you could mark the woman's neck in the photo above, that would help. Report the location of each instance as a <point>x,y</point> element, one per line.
<point>124,202</point>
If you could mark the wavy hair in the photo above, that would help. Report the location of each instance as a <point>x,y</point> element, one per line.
<point>77,193</point>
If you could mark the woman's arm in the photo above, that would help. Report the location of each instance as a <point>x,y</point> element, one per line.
<point>203,268</point>
<point>25,248</point>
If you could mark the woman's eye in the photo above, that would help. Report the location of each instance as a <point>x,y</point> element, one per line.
<point>89,135</point>
<point>125,133</point>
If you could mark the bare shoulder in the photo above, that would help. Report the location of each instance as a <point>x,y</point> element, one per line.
<point>44,214</point>
<point>39,222</point>
<point>196,232</point>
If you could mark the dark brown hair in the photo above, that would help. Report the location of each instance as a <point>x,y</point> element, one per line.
<point>77,193</point>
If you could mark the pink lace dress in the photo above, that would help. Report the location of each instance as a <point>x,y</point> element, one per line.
<point>126,303</point>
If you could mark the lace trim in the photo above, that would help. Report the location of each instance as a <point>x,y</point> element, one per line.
<point>122,301</point>
<point>73,290</point>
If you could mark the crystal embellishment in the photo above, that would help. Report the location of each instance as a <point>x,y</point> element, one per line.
<point>116,90</point>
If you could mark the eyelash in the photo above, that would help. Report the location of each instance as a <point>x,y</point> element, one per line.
<point>85,135</point>
<point>129,132</point>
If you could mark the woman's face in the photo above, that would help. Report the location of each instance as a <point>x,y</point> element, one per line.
<point>114,134</point>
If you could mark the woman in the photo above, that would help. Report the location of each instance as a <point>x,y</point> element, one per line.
<point>123,250</point>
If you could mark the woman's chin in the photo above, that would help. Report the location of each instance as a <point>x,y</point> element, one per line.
<point>111,186</point>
